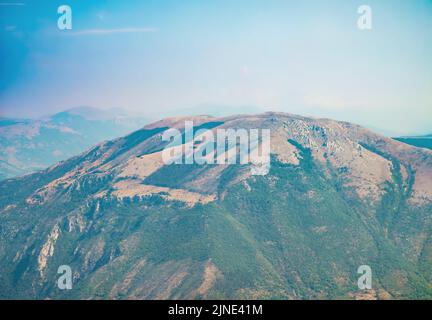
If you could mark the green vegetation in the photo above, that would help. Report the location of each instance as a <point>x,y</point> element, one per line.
<point>292,234</point>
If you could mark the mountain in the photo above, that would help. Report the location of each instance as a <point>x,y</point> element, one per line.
<point>30,145</point>
<point>337,196</point>
<point>418,141</point>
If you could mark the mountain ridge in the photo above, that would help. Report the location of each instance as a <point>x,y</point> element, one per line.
<point>337,196</point>
<point>34,144</point>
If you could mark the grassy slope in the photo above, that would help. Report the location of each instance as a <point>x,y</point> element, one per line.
<point>293,234</point>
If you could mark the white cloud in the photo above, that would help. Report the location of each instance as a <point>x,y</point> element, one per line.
<point>110,31</point>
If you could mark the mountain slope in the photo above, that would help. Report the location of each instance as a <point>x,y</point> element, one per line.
<point>337,196</point>
<point>30,145</point>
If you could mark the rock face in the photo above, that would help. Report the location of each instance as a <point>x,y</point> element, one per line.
<point>130,227</point>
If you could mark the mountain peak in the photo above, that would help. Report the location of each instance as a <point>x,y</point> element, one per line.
<point>365,160</point>
<point>86,112</point>
<point>336,196</point>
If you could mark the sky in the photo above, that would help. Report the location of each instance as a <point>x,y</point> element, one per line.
<point>159,56</point>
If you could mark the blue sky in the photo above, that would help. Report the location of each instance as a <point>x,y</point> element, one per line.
<point>159,56</point>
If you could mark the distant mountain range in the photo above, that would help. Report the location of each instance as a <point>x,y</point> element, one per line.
<point>418,141</point>
<point>337,196</point>
<point>30,145</point>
